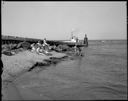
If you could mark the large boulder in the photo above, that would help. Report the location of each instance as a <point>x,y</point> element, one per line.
<point>5,46</point>
<point>13,46</point>
<point>63,47</point>
<point>24,45</point>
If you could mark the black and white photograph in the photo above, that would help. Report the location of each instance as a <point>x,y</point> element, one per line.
<point>63,50</point>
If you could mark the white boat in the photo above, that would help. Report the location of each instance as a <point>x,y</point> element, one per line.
<point>73,39</point>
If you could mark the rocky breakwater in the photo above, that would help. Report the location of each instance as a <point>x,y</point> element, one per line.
<point>26,61</point>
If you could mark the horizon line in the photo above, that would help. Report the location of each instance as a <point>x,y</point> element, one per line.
<point>61,39</point>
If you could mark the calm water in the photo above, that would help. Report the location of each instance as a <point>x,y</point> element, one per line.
<point>100,74</point>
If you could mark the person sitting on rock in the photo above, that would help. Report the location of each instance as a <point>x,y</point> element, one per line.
<point>39,43</point>
<point>33,47</point>
<point>39,47</point>
<point>45,42</point>
<point>42,48</point>
<point>45,45</point>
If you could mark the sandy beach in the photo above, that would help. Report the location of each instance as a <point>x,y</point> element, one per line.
<point>23,61</point>
<point>19,64</point>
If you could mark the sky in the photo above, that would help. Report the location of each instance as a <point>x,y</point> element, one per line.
<point>57,20</point>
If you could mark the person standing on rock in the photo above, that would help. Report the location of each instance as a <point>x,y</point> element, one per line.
<point>86,40</point>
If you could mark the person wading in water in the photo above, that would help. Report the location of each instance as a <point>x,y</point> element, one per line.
<point>77,49</point>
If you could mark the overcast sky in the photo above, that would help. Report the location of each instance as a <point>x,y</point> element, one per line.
<point>56,20</point>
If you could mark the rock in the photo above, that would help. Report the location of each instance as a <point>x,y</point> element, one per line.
<point>7,53</point>
<point>24,45</point>
<point>62,48</point>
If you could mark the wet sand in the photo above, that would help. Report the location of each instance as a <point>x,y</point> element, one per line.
<point>100,75</point>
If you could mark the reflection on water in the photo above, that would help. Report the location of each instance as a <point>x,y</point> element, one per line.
<point>100,74</point>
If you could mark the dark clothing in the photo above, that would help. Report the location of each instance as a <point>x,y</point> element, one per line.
<point>86,41</point>
<point>1,66</point>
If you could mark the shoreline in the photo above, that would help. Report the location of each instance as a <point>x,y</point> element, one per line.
<point>16,65</point>
<point>26,61</point>
<point>100,74</point>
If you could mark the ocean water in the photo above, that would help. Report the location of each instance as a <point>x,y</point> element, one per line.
<point>100,75</point>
